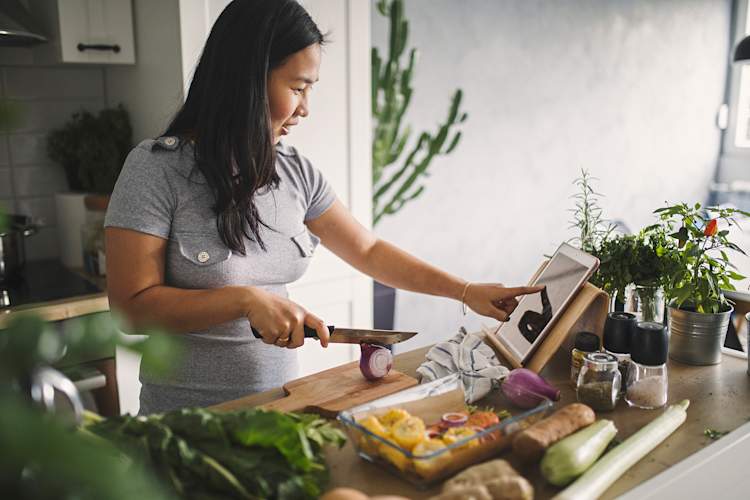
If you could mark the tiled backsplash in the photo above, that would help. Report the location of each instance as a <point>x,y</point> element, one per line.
<point>47,97</point>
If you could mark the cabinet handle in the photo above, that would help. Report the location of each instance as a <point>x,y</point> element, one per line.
<point>98,46</point>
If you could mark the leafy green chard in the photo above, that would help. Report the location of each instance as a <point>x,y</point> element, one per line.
<point>245,454</point>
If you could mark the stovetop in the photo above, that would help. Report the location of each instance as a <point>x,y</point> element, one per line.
<point>44,281</point>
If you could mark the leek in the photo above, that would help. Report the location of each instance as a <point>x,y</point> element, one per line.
<point>614,464</point>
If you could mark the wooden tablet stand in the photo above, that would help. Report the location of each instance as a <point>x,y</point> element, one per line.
<point>587,312</point>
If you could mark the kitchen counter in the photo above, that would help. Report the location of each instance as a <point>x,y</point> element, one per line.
<point>54,292</point>
<point>719,399</point>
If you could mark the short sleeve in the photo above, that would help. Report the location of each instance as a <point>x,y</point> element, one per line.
<point>319,193</point>
<point>142,199</point>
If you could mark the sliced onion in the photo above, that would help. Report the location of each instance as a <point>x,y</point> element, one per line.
<point>454,419</point>
<point>375,362</point>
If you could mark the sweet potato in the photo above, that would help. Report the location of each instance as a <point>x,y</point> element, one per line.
<point>531,443</point>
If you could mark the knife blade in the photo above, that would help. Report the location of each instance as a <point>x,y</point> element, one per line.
<point>357,336</point>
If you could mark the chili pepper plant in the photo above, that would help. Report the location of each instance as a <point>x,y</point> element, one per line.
<point>702,253</point>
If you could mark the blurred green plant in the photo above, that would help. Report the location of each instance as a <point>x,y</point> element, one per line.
<point>395,185</point>
<point>92,149</point>
<point>42,457</point>
<point>29,342</point>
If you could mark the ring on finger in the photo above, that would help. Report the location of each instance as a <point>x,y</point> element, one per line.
<point>282,341</point>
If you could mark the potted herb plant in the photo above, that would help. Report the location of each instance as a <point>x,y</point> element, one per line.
<point>91,149</point>
<point>636,269</point>
<point>698,311</point>
<point>633,268</point>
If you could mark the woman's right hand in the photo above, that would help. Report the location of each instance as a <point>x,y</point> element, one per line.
<point>280,321</point>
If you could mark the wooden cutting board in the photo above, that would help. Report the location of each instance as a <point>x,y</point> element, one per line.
<point>331,391</point>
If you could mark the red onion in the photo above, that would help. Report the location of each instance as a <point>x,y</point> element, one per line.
<point>526,389</point>
<point>375,362</point>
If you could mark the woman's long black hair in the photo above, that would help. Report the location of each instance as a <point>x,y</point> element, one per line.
<point>227,113</point>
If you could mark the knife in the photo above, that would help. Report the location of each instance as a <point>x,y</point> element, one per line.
<point>357,336</point>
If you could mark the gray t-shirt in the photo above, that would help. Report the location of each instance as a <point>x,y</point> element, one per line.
<point>161,192</point>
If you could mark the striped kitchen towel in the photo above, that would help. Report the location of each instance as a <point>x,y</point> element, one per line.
<point>467,354</point>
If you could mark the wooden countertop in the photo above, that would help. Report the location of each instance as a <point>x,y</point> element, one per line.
<point>71,307</point>
<point>719,399</point>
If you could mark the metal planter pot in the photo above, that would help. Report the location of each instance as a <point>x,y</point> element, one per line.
<point>697,338</point>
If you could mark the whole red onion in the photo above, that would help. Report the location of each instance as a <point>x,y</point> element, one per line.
<point>526,389</point>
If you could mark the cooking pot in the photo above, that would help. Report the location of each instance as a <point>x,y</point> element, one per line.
<point>12,249</point>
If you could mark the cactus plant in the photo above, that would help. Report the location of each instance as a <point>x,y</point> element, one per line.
<point>396,169</point>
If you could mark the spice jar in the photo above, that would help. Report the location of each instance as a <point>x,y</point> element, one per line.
<point>647,377</point>
<point>618,330</point>
<point>599,381</point>
<point>585,342</point>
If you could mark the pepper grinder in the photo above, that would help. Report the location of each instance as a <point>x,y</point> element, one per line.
<point>647,377</point>
<point>618,330</point>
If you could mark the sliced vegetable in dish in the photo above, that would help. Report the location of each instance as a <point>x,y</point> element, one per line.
<point>454,419</point>
<point>405,439</point>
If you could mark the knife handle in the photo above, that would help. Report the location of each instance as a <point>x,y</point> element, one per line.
<point>310,333</point>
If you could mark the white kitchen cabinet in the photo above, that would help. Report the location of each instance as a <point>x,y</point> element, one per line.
<point>96,31</point>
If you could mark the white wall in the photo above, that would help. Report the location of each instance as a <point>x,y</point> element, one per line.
<point>626,89</point>
<point>151,89</point>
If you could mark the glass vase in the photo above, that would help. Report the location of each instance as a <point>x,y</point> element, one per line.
<point>646,302</point>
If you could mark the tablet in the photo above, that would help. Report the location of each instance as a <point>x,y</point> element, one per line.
<point>565,273</point>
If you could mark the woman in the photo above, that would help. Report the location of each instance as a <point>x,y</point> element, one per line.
<point>208,223</point>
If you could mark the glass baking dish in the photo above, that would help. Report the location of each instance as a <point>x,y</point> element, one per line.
<point>430,402</point>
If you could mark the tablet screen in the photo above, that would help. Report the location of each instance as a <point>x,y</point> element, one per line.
<point>561,277</point>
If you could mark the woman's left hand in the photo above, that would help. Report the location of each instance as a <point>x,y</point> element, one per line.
<point>495,300</point>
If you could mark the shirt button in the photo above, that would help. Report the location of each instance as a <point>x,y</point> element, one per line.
<point>170,141</point>
<point>203,257</point>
